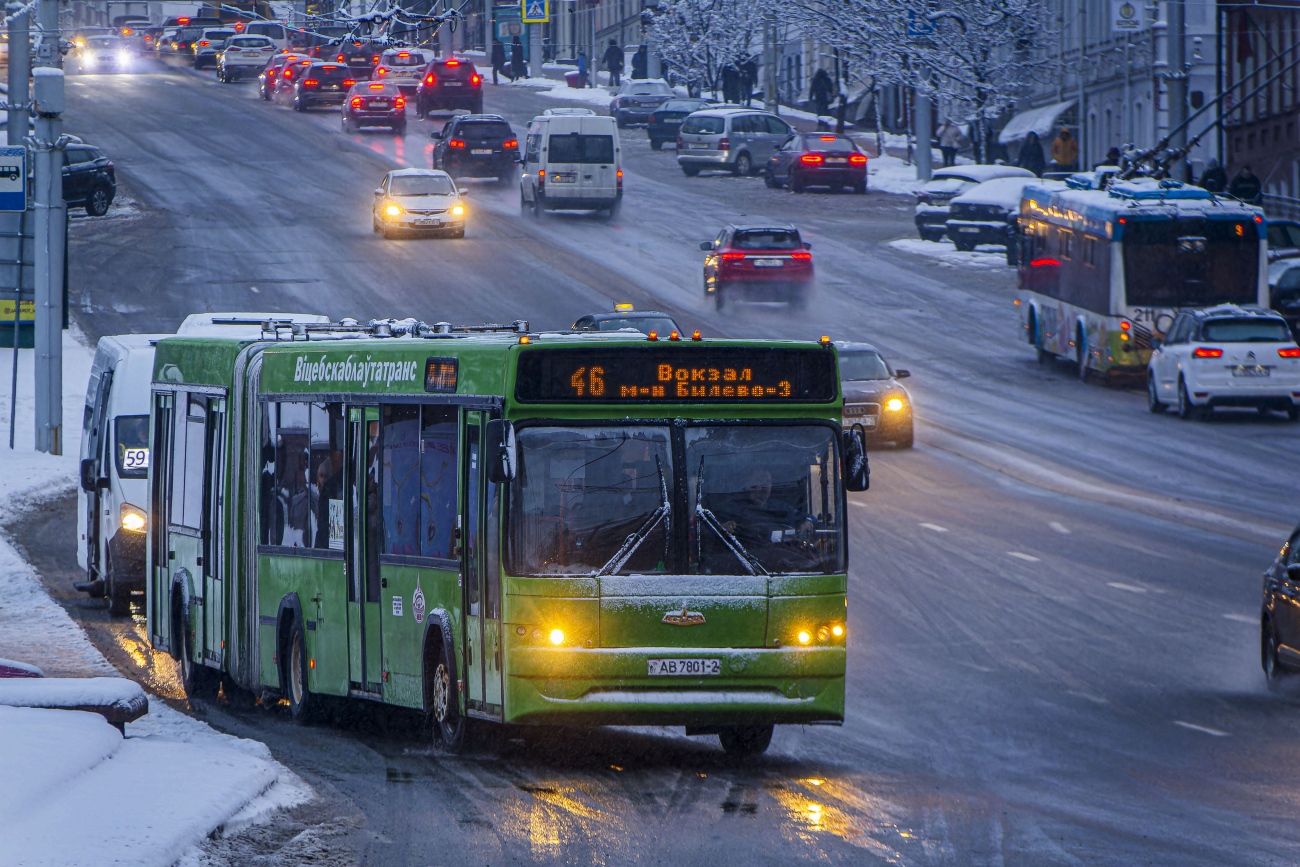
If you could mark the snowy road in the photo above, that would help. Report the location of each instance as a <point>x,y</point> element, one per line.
<point>1053,656</point>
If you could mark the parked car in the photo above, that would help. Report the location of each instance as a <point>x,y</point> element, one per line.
<point>817,159</point>
<point>403,67</point>
<point>758,262</point>
<point>1283,239</point>
<point>946,184</point>
<point>665,122</point>
<point>374,103</point>
<point>1225,356</point>
<point>210,43</point>
<point>89,180</point>
<point>637,98</point>
<point>476,146</point>
<point>448,85</point>
<point>737,140</point>
<point>419,201</point>
<point>625,316</point>
<point>989,213</point>
<point>873,396</point>
<point>571,164</point>
<point>243,56</point>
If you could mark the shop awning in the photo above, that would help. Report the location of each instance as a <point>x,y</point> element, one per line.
<point>1039,120</point>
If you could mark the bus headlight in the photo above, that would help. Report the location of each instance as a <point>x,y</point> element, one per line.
<point>803,636</point>
<point>557,637</point>
<point>894,404</point>
<point>393,211</point>
<point>133,520</point>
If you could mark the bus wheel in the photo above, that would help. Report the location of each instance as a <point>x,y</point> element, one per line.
<point>302,704</point>
<point>1153,396</point>
<point>199,680</point>
<point>745,740</point>
<point>447,721</point>
<point>119,600</point>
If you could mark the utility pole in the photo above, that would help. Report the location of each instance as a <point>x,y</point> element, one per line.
<point>773,101</point>
<point>489,29</point>
<point>921,116</point>
<point>20,70</point>
<point>51,216</point>
<point>1176,39</point>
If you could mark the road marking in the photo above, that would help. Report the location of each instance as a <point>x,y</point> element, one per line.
<point>860,503</point>
<point>934,527</point>
<point>1028,558</point>
<point>1205,730</point>
<point>1242,618</point>
<point>1060,528</point>
<point>1129,587</point>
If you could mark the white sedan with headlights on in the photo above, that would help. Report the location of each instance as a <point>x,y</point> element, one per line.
<point>417,202</point>
<point>244,56</point>
<point>105,54</point>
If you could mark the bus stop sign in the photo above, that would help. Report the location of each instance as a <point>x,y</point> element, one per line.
<point>13,179</point>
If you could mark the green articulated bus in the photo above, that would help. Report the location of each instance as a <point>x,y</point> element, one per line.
<point>484,523</point>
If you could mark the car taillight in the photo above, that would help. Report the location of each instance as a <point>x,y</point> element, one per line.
<point>375,58</point>
<point>400,102</point>
<point>802,255</point>
<point>356,102</point>
<point>429,79</point>
<point>811,159</point>
<point>475,80</point>
<point>732,257</point>
<point>381,72</point>
<point>288,73</point>
<point>1207,352</point>
<point>455,143</point>
<point>541,180</point>
<point>619,176</point>
<point>339,59</point>
<point>653,118</point>
<point>348,82</point>
<point>205,43</point>
<point>310,82</point>
<point>858,159</point>
<point>239,27</point>
<point>679,142</point>
<point>724,145</point>
<point>1292,352</point>
<point>511,145</point>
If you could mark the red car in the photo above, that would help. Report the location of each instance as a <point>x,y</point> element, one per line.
<point>758,262</point>
<point>814,159</point>
<point>374,103</point>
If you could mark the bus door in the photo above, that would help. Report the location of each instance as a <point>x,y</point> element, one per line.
<point>97,436</point>
<point>361,517</point>
<point>481,580</point>
<point>213,559</point>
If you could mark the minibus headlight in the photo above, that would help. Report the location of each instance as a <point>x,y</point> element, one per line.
<point>133,519</point>
<point>557,637</point>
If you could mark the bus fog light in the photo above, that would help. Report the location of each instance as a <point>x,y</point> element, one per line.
<point>837,631</point>
<point>133,520</point>
<point>557,637</point>
<point>823,633</point>
<point>804,637</point>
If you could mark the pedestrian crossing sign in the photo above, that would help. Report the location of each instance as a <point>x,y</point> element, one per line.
<point>536,11</point>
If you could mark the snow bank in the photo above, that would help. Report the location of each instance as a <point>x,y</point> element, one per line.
<point>946,254</point>
<point>891,175</point>
<point>117,693</point>
<point>43,750</point>
<point>14,668</point>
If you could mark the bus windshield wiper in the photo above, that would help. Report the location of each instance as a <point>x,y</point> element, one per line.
<point>711,521</point>
<point>661,515</point>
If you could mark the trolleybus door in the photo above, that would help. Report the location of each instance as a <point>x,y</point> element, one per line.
<point>94,496</point>
<point>214,520</point>
<point>480,573</point>
<point>365,660</point>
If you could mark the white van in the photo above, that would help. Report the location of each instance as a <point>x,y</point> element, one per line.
<point>571,164</point>
<point>113,503</point>
<point>273,31</point>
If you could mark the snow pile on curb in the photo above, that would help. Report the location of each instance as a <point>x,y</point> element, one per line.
<point>892,175</point>
<point>947,254</point>
<point>75,791</point>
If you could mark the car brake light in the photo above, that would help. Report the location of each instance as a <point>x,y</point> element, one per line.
<point>724,145</point>
<point>801,255</point>
<point>510,145</point>
<point>403,54</point>
<point>348,82</point>
<point>381,72</point>
<point>182,20</point>
<point>1290,352</point>
<point>339,58</point>
<point>858,159</point>
<point>127,31</point>
<point>288,73</point>
<point>455,143</point>
<point>356,102</point>
<point>475,79</point>
<point>376,87</point>
<point>310,82</point>
<point>811,159</point>
<point>1207,352</point>
<point>400,102</point>
<point>205,43</point>
<point>732,257</point>
<point>374,58</point>
<point>239,27</point>
<point>429,79</point>
<point>452,63</point>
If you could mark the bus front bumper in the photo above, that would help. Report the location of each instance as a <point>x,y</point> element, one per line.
<point>612,687</point>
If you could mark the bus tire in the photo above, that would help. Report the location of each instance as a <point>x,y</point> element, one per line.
<point>303,704</point>
<point>119,600</point>
<point>447,723</point>
<point>198,680</point>
<point>1153,396</point>
<point>741,741</point>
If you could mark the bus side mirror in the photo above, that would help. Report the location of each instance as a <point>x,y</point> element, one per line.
<point>501,455</point>
<point>857,469</point>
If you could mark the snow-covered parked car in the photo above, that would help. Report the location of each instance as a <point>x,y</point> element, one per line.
<point>987,213</point>
<point>933,198</point>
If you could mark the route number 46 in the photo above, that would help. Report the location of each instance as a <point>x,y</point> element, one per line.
<point>589,382</point>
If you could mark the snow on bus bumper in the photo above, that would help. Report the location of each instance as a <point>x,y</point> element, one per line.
<point>611,687</point>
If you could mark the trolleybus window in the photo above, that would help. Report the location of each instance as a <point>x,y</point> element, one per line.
<point>325,463</point>
<point>188,448</point>
<point>401,482</point>
<point>1191,263</point>
<point>438,456</point>
<point>291,466</point>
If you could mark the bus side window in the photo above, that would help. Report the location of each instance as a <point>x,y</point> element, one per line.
<point>401,479</point>
<point>292,495</point>
<point>189,441</point>
<point>439,480</point>
<point>272,521</point>
<point>326,475</point>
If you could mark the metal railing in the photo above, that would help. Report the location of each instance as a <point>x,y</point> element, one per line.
<point>1280,207</point>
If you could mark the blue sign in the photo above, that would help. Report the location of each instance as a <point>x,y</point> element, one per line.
<point>536,11</point>
<point>13,179</point>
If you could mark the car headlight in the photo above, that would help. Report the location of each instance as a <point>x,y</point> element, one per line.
<point>458,211</point>
<point>132,519</point>
<point>394,211</point>
<point>123,57</point>
<point>894,404</point>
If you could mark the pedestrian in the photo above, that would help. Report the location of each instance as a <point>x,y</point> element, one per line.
<point>748,78</point>
<point>1065,151</point>
<point>1215,178</point>
<point>498,59</point>
<point>731,84</point>
<point>1245,185</point>
<point>517,68</point>
<point>951,139</point>
<point>614,63</point>
<point>582,68</point>
<point>821,90</point>
<point>1031,155</point>
<point>640,62</point>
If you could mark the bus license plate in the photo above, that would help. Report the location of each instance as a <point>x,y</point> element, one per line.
<point>1254,370</point>
<point>684,667</point>
<point>768,263</point>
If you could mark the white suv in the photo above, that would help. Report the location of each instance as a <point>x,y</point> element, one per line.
<point>1225,356</point>
<point>243,56</point>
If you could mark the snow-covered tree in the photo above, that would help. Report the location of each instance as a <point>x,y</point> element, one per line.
<point>698,38</point>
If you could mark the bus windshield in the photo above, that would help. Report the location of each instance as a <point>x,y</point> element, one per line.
<point>1191,263</point>
<point>761,499</point>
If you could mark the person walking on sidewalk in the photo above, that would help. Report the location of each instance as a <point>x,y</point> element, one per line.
<point>614,63</point>
<point>498,59</point>
<point>951,139</point>
<point>517,68</point>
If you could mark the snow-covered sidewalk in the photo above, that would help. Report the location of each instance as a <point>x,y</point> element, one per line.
<point>75,792</point>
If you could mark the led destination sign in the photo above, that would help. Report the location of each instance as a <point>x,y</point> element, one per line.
<point>673,374</point>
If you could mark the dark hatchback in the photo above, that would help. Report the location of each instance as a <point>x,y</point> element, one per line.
<point>873,396</point>
<point>374,103</point>
<point>322,84</point>
<point>89,180</point>
<point>818,160</point>
<point>476,146</point>
<point>664,122</point>
<point>448,85</point>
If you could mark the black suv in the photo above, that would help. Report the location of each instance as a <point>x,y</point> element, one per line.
<point>88,179</point>
<point>476,146</point>
<point>448,85</point>
<point>322,83</point>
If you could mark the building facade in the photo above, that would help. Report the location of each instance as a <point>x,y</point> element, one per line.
<point>1260,50</point>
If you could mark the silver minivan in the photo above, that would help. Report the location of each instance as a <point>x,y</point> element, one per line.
<point>738,140</point>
